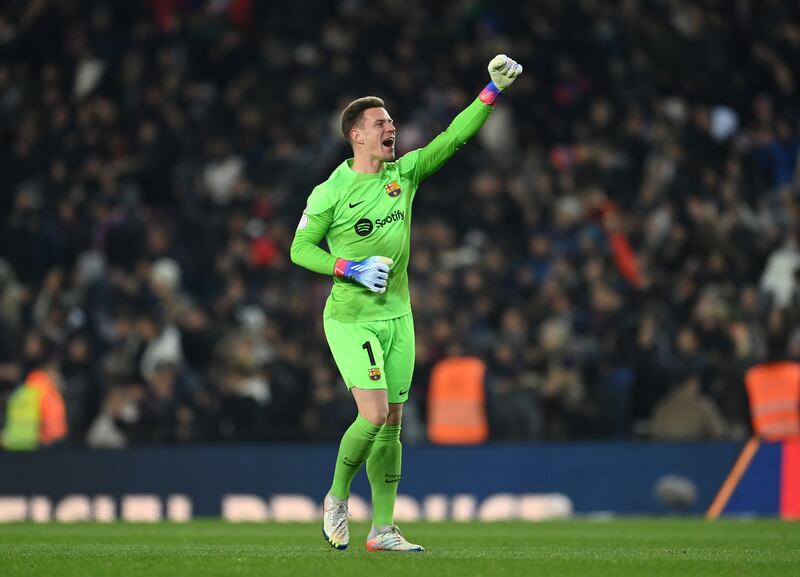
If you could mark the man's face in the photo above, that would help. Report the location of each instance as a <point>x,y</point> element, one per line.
<point>377,135</point>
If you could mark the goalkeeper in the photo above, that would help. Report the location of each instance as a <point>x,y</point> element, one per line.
<point>363,211</point>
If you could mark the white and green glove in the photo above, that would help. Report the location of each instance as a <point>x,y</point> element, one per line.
<point>373,272</point>
<point>503,71</point>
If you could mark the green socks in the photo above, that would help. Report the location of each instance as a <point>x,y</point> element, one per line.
<point>353,450</point>
<point>383,470</point>
<point>380,447</point>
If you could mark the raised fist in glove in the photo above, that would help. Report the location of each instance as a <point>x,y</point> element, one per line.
<point>504,71</point>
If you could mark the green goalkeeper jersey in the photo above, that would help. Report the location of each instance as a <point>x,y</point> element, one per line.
<point>368,214</point>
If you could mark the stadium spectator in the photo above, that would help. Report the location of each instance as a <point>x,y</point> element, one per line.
<point>686,414</point>
<point>36,415</point>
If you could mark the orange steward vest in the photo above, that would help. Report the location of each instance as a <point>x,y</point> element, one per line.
<point>774,393</point>
<point>457,402</point>
<point>52,412</point>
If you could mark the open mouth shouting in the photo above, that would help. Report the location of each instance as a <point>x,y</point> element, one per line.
<point>388,142</point>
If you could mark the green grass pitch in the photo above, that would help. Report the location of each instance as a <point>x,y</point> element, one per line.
<point>618,548</point>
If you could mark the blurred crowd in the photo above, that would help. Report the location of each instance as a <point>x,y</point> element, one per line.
<point>619,244</point>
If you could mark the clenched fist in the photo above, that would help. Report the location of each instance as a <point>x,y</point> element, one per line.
<point>504,71</point>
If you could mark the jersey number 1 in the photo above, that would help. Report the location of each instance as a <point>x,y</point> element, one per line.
<point>368,347</point>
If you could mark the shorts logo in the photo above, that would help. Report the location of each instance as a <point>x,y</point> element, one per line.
<point>363,227</point>
<point>393,189</point>
<point>375,374</point>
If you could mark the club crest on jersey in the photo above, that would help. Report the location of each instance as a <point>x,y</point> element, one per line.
<point>393,189</point>
<point>375,374</point>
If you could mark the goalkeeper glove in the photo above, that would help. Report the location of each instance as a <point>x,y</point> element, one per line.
<point>503,71</point>
<point>372,272</point>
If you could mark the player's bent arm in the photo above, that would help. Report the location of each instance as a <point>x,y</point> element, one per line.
<point>372,273</point>
<point>305,251</point>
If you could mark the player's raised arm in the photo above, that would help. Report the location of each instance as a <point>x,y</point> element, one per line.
<point>427,160</point>
<point>373,272</point>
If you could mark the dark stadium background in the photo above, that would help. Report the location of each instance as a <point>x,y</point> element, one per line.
<point>619,243</point>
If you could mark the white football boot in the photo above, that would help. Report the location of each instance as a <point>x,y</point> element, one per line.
<point>390,539</point>
<point>334,522</point>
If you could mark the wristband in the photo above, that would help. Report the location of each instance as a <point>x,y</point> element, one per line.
<point>341,267</point>
<point>490,94</point>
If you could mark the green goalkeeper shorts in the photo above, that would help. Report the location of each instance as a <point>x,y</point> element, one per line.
<point>375,354</point>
